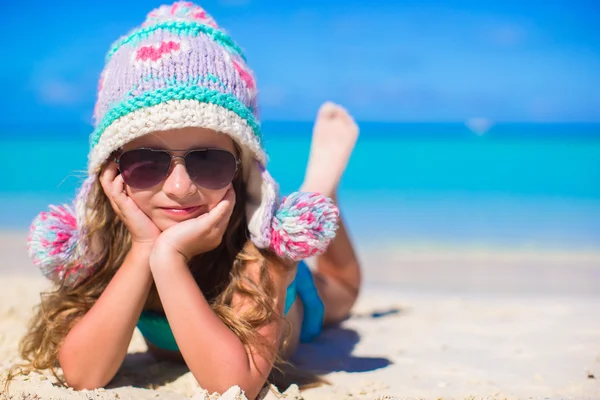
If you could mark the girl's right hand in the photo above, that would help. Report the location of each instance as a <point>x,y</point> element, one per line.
<point>140,226</point>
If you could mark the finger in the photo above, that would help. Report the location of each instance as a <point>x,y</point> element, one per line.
<point>120,197</point>
<point>107,176</point>
<point>222,210</point>
<point>230,198</point>
<point>224,221</point>
<point>228,203</point>
<point>118,188</point>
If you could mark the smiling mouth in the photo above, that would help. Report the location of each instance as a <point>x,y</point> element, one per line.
<point>181,211</point>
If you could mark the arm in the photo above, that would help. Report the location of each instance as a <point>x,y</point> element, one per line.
<point>96,346</point>
<point>215,355</point>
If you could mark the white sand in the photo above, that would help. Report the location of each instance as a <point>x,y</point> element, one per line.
<point>446,324</point>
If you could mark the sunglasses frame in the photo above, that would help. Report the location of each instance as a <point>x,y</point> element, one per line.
<point>120,152</point>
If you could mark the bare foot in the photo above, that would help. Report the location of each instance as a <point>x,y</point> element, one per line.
<point>334,136</point>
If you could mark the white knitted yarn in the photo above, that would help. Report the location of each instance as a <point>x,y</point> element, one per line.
<point>174,114</point>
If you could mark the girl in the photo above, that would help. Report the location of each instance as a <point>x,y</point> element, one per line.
<point>179,230</point>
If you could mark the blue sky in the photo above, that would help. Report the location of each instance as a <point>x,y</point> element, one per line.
<point>397,60</point>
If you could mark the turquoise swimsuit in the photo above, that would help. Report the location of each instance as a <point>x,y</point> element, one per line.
<point>155,327</point>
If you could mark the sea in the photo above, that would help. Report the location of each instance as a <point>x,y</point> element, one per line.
<point>530,185</point>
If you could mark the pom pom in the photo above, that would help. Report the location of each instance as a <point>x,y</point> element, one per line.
<point>303,226</point>
<point>52,242</point>
<point>180,11</point>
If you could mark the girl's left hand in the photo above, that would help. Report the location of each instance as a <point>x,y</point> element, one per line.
<point>197,235</point>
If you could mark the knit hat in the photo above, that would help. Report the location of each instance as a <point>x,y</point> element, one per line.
<point>180,69</point>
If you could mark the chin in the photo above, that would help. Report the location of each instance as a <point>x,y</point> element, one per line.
<point>163,224</point>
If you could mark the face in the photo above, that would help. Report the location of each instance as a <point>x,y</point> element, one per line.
<point>178,198</point>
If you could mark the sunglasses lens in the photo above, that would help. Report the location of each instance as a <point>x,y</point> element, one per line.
<point>211,168</point>
<point>143,168</point>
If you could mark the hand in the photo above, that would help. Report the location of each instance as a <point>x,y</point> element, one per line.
<point>140,226</point>
<point>197,235</point>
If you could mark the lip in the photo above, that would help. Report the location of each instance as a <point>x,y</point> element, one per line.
<point>181,212</point>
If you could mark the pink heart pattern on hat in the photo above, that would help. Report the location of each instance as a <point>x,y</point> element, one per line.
<point>155,53</point>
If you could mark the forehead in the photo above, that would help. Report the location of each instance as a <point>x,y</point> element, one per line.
<point>183,139</point>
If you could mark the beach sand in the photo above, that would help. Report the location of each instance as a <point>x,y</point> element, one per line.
<point>444,323</point>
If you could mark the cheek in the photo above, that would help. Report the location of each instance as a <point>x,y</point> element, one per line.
<point>142,199</point>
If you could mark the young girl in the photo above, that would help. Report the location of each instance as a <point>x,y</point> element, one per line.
<point>179,229</point>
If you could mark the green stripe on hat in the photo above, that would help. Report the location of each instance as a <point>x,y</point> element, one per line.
<point>162,95</point>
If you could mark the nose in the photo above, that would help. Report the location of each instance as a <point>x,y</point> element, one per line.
<point>179,184</point>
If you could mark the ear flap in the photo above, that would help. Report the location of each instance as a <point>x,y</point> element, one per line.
<point>301,226</point>
<point>262,199</point>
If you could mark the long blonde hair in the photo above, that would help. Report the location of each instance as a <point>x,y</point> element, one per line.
<point>219,273</point>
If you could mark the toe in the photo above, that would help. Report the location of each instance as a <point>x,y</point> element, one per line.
<point>328,110</point>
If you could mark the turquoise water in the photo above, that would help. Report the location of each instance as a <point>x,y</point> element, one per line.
<point>517,185</point>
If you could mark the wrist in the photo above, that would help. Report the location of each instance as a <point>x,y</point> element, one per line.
<point>138,260</point>
<point>142,248</point>
<point>161,255</point>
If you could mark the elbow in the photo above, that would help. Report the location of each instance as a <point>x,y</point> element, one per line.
<point>250,390</point>
<point>233,368</point>
<point>251,386</point>
<point>85,384</point>
<point>78,380</point>
<point>77,376</point>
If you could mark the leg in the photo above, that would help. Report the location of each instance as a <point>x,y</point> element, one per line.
<point>337,275</point>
